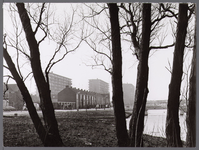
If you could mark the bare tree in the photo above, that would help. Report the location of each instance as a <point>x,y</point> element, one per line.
<point>137,119</point>
<point>49,132</point>
<point>186,78</point>
<point>132,26</point>
<point>172,121</point>
<point>191,107</point>
<point>118,102</point>
<point>105,42</point>
<point>143,32</point>
<point>27,98</point>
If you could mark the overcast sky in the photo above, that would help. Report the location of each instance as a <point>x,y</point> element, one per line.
<point>75,66</point>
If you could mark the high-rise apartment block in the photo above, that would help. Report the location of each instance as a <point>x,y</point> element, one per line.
<point>98,86</point>
<point>58,83</point>
<point>128,94</point>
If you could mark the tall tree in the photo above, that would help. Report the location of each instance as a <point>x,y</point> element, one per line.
<point>172,120</point>
<point>51,136</point>
<point>143,27</point>
<point>41,21</point>
<point>191,107</point>
<point>117,98</point>
<point>134,24</point>
<point>137,119</point>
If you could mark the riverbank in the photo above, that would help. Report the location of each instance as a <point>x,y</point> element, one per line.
<point>77,129</point>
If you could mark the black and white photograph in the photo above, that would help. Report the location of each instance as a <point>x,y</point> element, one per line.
<point>99,74</point>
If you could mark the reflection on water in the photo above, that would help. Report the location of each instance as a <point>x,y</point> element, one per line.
<point>155,123</point>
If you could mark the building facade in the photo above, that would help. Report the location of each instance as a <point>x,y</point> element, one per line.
<point>128,94</point>
<point>98,86</point>
<point>13,97</point>
<point>76,99</point>
<point>58,83</point>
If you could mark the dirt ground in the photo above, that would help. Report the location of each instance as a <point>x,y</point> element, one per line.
<point>78,129</point>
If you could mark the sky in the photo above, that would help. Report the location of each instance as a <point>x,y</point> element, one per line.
<point>75,65</point>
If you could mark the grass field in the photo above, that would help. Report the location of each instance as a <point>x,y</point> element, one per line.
<point>83,129</point>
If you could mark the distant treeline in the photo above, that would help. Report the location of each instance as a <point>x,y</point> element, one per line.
<point>162,104</point>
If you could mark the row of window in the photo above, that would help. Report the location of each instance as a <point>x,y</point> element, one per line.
<point>91,100</point>
<point>84,102</point>
<point>63,83</point>
<point>57,78</point>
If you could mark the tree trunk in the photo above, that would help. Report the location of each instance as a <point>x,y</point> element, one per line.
<point>137,120</point>
<point>43,87</point>
<point>191,108</point>
<point>172,120</point>
<point>117,98</point>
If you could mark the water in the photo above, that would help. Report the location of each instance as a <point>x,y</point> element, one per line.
<point>155,123</point>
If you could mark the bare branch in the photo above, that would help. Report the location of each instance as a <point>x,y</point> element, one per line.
<point>169,10</point>
<point>133,33</point>
<point>157,20</point>
<point>4,41</point>
<point>45,35</point>
<point>17,49</point>
<point>40,24</point>
<point>24,53</point>
<point>94,49</point>
<point>102,38</point>
<point>94,13</point>
<point>97,64</point>
<point>50,65</point>
<point>40,18</point>
<point>17,42</point>
<point>191,10</point>
<point>14,40</point>
<point>6,67</point>
<point>107,69</point>
<point>168,69</point>
<point>95,25</point>
<point>161,47</point>
<point>27,76</point>
<point>64,35</point>
<point>133,22</point>
<point>8,76</point>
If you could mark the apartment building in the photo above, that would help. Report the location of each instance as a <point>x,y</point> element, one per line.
<point>57,84</point>
<point>98,86</point>
<point>128,94</point>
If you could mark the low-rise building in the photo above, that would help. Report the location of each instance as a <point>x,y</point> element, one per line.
<point>76,98</point>
<point>13,97</point>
